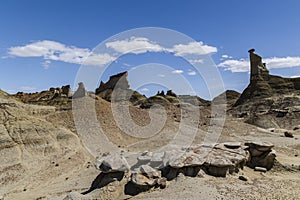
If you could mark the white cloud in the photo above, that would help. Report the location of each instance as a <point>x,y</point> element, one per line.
<point>243,65</point>
<point>135,45</point>
<point>225,56</point>
<point>177,71</point>
<point>127,65</point>
<point>196,48</point>
<point>286,62</point>
<point>51,50</point>
<point>235,65</point>
<point>56,51</point>
<point>139,45</point>
<point>144,89</point>
<point>296,76</point>
<point>192,73</point>
<point>200,61</point>
<point>46,64</point>
<point>161,75</point>
<point>98,59</point>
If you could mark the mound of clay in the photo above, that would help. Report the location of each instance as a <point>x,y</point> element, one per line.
<point>31,146</point>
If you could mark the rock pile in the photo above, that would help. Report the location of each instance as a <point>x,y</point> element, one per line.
<point>261,155</point>
<point>154,169</point>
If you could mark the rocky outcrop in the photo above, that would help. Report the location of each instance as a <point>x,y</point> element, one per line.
<point>108,163</point>
<point>263,85</point>
<point>261,155</point>
<point>268,101</point>
<point>66,90</point>
<point>155,169</point>
<point>80,92</point>
<point>171,93</point>
<point>114,82</point>
<point>170,98</point>
<point>55,96</point>
<point>119,86</point>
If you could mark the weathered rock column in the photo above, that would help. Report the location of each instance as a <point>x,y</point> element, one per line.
<point>257,67</point>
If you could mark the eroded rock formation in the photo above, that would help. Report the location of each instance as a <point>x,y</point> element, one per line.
<point>155,169</point>
<point>114,82</point>
<point>117,89</point>
<point>263,85</point>
<point>269,101</point>
<point>80,92</point>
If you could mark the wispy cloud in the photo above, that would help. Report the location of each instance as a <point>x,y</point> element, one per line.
<point>46,64</point>
<point>196,48</point>
<point>135,45</point>
<point>51,50</point>
<point>243,65</point>
<point>177,71</point>
<point>201,61</point>
<point>225,56</point>
<point>144,89</point>
<point>192,73</point>
<point>127,65</point>
<point>56,51</point>
<point>139,45</point>
<point>161,75</point>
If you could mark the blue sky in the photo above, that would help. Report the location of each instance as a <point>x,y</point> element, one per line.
<point>226,29</point>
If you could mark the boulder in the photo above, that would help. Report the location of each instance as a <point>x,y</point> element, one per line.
<point>142,180</point>
<point>288,134</point>
<point>112,163</point>
<point>157,159</point>
<point>266,160</point>
<point>186,160</point>
<point>66,90</point>
<point>145,157</point>
<point>149,171</point>
<point>261,154</point>
<point>260,146</point>
<point>243,178</point>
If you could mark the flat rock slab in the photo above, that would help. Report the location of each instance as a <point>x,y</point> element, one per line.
<point>260,146</point>
<point>108,163</point>
<point>233,145</point>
